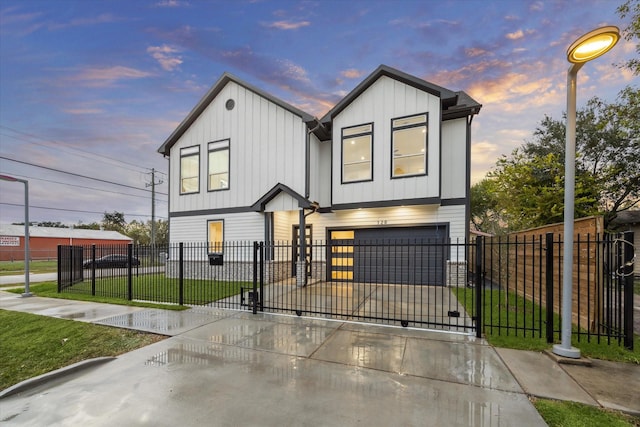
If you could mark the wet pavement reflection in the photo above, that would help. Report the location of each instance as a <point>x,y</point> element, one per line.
<point>227,368</point>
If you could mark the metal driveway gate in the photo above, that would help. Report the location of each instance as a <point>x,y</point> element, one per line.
<point>403,282</point>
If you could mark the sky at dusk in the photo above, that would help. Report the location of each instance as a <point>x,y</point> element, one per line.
<point>90,89</point>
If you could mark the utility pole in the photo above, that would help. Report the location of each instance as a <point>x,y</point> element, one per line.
<point>153,184</point>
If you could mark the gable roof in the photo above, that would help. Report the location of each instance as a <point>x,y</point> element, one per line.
<point>454,104</point>
<point>210,96</point>
<point>260,205</point>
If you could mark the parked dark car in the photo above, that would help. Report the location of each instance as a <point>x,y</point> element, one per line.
<point>112,261</point>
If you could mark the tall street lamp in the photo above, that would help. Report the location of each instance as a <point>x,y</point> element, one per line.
<point>27,256</point>
<point>590,46</point>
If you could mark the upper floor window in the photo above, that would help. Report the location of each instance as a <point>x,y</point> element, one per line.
<point>190,170</point>
<point>409,146</point>
<point>218,165</point>
<point>357,147</point>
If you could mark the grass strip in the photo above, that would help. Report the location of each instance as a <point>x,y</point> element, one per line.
<point>572,414</point>
<point>516,320</point>
<point>33,345</point>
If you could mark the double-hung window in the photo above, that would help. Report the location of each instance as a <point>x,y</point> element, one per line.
<point>357,148</point>
<point>218,165</point>
<point>215,235</point>
<point>190,170</point>
<point>409,146</point>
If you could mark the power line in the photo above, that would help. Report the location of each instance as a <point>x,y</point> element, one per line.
<point>78,175</point>
<point>71,210</point>
<point>68,147</point>
<point>88,188</point>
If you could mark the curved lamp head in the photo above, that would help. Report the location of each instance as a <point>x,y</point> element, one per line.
<point>593,44</point>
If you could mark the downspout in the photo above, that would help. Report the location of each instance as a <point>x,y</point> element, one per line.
<point>467,226</point>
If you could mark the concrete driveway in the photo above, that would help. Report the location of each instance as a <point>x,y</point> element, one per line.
<point>229,368</point>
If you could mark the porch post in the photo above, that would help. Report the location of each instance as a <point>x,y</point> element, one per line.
<point>301,267</point>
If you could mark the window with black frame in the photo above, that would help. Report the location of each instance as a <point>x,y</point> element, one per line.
<point>357,148</point>
<point>409,146</point>
<point>190,170</point>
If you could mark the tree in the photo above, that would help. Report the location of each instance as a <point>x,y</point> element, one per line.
<point>631,8</point>
<point>114,221</point>
<point>528,186</point>
<point>140,232</point>
<point>485,214</point>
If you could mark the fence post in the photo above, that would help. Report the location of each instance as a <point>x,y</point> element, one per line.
<point>129,269</point>
<point>479,288</point>
<point>60,268</point>
<point>549,286</point>
<point>253,298</point>
<point>261,294</point>
<point>627,270</point>
<point>93,269</point>
<point>181,275</point>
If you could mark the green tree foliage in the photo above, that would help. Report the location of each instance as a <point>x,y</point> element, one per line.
<point>631,8</point>
<point>90,226</point>
<point>114,222</point>
<point>527,188</point>
<point>140,232</point>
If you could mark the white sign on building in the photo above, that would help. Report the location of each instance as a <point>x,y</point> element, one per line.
<point>9,241</point>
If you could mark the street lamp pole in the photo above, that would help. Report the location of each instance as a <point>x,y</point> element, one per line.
<point>588,47</point>
<point>27,253</point>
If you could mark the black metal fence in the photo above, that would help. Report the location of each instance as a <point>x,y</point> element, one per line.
<point>497,286</point>
<point>522,282</point>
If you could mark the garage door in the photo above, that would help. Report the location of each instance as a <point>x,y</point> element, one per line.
<point>409,255</point>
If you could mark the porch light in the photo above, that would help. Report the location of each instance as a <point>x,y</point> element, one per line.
<point>586,48</point>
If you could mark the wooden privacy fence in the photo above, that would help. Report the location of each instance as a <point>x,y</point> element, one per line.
<point>526,261</point>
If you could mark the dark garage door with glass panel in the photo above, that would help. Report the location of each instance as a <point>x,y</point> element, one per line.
<point>403,255</point>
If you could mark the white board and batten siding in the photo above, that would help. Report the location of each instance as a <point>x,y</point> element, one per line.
<point>384,100</point>
<point>454,159</point>
<point>237,227</point>
<point>266,143</point>
<point>320,171</point>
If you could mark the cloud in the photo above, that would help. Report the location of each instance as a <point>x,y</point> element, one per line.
<point>165,55</point>
<point>172,3</point>
<point>515,35</point>
<point>81,111</point>
<point>107,76</point>
<point>104,18</point>
<point>536,7</point>
<point>17,23</point>
<point>352,73</point>
<point>472,52</point>
<point>288,25</point>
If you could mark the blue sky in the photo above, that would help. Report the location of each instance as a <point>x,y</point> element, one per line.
<point>95,87</point>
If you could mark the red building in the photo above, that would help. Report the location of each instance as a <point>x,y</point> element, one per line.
<point>44,241</point>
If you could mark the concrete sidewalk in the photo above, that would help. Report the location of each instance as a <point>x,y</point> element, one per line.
<point>233,368</point>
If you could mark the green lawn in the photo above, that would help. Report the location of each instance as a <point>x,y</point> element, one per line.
<point>518,312</point>
<point>159,288</point>
<point>33,345</point>
<point>572,414</point>
<point>10,268</point>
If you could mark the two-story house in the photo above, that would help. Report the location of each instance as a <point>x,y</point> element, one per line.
<point>389,162</point>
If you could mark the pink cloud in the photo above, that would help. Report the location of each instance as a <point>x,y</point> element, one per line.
<point>352,73</point>
<point>515,35</point>
<point>288,25</point>
<point>165,55</point>
<point>103,77</point>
